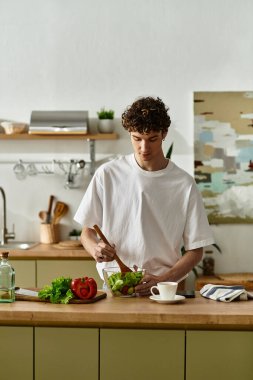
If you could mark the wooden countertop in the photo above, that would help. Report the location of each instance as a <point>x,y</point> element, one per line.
<point>49,252</point>
<point>198,313</point>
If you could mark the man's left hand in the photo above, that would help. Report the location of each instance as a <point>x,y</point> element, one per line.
<point>149,280</point>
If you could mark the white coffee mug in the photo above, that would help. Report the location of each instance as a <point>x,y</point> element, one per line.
<point>167,290</point>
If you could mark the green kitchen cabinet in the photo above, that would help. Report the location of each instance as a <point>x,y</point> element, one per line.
<point>47,270</point>
<point>16,353</point>
<point>141,354</point>
<point>25,272</point>
<point>66,353</point>
<point>219,355</point>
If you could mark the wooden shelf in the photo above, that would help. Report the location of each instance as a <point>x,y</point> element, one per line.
<point>91,138</point>
<point>27,136</point>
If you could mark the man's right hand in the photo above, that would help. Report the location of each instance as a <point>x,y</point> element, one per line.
<point>104,252</point>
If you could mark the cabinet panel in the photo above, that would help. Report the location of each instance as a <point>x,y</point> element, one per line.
<point>219,355</point>
<point>66,353</point>
<point>25,272</point>
<point>141,354</point>
<point>16,353</point>
<point>47,270</point>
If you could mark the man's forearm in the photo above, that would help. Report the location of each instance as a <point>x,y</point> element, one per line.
<point>89,240</point>
<point>184,265</point>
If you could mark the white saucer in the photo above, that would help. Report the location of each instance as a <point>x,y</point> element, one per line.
<point>175,300</point>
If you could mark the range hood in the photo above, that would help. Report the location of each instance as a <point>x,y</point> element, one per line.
<point>59,122</point>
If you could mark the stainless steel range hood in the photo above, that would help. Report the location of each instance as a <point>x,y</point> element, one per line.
<point>59,122</point>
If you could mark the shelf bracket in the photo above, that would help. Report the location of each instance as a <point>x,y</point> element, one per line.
<point>92,152</point>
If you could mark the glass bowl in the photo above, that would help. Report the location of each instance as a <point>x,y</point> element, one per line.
<point>122,284</point>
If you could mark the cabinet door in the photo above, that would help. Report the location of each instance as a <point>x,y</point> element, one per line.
<point>66,353</point>
<point>16,353</point>
<point>25,272</point>
<point>47,270</point>
<point>141,354</point>
<point>219,355</point>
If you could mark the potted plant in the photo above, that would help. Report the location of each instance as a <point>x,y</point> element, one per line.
<point>75,234</point>
<point>105,120</point>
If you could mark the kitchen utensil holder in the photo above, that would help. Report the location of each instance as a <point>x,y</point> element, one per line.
<point>49,233</point>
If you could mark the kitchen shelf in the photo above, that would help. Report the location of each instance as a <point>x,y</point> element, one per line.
<point>90,137</point>
<point>76,136</point>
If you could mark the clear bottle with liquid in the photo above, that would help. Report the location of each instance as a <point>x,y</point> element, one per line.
<point>7,280</point>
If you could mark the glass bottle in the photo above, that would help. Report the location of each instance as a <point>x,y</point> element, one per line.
<point>208,264</point>
<point>7,280</point>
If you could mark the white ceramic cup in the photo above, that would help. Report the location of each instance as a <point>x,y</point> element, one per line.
<point>167,290</point>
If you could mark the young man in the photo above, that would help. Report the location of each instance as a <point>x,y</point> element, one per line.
<point>146,206</point>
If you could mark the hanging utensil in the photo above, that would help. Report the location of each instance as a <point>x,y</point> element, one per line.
<point>122,266</point>
<point>60,210</point>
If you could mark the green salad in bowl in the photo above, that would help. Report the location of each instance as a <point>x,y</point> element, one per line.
<point>122,284</point>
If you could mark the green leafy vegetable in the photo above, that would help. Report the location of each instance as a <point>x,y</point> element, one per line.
<point>58,292</point>
<point>124,283</point>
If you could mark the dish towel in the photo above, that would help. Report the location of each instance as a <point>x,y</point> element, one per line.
<point>225,293</point>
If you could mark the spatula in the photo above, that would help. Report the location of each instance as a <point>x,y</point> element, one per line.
<point>60,210</point>
<point>122,266</point>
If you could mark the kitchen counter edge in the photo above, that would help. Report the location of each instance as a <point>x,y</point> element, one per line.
<point>48,252</point>
<point>139,312</point>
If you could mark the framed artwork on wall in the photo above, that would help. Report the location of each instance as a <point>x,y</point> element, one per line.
<point>223,154</point>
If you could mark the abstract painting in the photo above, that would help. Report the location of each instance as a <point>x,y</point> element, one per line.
<point>223,154</point>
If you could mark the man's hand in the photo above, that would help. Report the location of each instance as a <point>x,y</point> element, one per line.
<point>103,252</point>
<point>149,280</point>
<point>176,273</point>
<point>97,248</point>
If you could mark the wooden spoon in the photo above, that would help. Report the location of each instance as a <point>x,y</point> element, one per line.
<point>50,205</point>
<point>122,266</point>
<point>60,210</point>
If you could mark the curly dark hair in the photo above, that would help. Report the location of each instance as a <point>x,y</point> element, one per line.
<point>146,114</point>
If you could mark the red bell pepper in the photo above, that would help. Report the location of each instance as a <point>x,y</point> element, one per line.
<point>84,287</point>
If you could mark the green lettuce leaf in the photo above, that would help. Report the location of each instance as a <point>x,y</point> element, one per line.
<point>58,292</point>
<point>118,280</point>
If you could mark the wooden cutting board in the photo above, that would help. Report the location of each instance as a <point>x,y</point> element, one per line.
<point>235,277</point>
<point>69,244</point>
<point>244,279</point>
<point>21,297</point>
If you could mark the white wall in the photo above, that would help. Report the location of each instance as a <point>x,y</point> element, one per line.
<point>79,54</point>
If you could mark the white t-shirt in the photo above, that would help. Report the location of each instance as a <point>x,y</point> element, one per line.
<point>148,215</point>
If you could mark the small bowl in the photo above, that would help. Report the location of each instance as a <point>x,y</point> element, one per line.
<point>122,284</point>
<point>11,127</point>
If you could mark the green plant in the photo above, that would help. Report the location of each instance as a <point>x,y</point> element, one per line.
<point>169,153</point>
<point>75,232</point>
<point>105,114</point>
